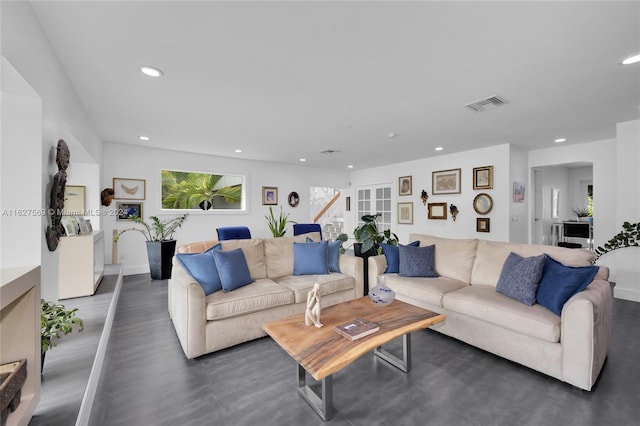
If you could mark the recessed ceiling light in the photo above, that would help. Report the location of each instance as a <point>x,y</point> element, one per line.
<point>350,166</point>
<point>392,135</point>
<point>238,150</point>
<point>560,140</point>
<point>631,59</point>
<point>144,138</point>
<point>302,160</point>
<point>151,71</point>
<point>438,148</point>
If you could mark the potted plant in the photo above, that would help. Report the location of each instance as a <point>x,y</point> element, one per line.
<point>581,212</point>
<point>55,321</point>
<point>160,243</point>
<point>368,238</point>
<point>277,225</point>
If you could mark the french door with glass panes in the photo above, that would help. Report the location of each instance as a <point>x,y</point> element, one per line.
<point>372,200</point>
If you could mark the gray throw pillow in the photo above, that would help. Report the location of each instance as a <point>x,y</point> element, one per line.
<point>520,277</point>
<point>417,261</point>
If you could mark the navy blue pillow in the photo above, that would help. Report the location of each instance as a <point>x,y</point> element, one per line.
<point>392,254</point>
<point>202,268</point>
<point>310,258</point>
<point>417,261</point>
<point>333,254</point>
<point>233,269</point>
<point>559,283</point>
<point>520,277</point>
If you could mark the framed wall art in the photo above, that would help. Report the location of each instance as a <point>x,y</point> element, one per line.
<point>483,177</point>
<point>445,182</point>
<point>405,185</point>
<point>128,210</point>
<point>483,224</point>
<point>129,189</point>
<point>74,200</point>
<point>437,211</point>
<point>293,199</point>
<point>269,196</point>
<point>518,192</point>
<point>405,213</point>
<point>483,203</point>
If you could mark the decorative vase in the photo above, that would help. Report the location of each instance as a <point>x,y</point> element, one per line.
<point>381,294</point>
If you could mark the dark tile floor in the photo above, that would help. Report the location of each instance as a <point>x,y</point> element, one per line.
<point>147,380</point>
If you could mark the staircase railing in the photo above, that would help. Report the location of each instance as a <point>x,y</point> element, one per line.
<point>326,207</point>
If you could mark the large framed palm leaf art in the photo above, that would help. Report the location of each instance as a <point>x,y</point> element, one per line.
<point>202,191</point>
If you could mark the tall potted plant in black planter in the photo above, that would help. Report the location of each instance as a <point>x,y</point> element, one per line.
<point>160,243</point>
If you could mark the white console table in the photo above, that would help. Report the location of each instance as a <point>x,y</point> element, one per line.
<point>80,264</point>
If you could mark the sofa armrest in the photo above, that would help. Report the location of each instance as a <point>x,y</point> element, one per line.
<point>586,334</point>
<point>187,307</point>
<point>352,265</point>
<point>377,266</point>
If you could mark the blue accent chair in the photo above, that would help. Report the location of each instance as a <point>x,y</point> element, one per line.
<point>303,228</point>
<point>233,233</point>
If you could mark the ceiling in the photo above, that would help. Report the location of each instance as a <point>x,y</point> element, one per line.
<point>289,80</point>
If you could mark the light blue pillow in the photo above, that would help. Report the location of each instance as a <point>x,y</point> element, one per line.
<point>559,283</point>
<point>520,277</point>
<point>392,254</point>
<point>417,261</point>
<point>233,269</point>
<point>310,258</point>
<point>202,268</point>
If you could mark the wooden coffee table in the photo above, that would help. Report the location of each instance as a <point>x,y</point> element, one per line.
<point>322,352</point>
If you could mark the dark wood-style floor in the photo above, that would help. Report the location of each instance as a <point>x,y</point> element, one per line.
<point>147,380</point>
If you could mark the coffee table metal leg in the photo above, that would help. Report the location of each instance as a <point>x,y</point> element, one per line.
<point>321,403</point>
<point>403,364</point>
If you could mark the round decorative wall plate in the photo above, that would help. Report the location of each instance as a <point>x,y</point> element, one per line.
<point>483,203</point>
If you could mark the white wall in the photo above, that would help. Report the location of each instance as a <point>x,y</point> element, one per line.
<point>27,49</point>
<point>126,161</point>
<point>421,170</point>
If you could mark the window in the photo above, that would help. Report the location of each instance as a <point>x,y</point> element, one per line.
<point>202,191</point>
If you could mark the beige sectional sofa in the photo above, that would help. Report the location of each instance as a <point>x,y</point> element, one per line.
<point>206,324</point>
<point>571,347</point>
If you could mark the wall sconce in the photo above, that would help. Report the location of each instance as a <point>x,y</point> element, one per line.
<point>454,211</point>
<point>424,197</point>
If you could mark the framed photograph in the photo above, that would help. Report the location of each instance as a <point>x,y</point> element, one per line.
<point>129,189</point>
<point>404,185</point>
<point>73,200</point>
<point>483,224</point>
<point>518,192</point>
<point>128,210</point>
<point>445,182</point>
<point>483,177</point>
<point>69,229</point>
<point>84,226</point>
<point>437,211</point>
<point>269,196</point>
<point>405,213</point>
<point>293,199</point>
<point>483,203</point>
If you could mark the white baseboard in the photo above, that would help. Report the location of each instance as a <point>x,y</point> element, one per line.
<point>626,294</point>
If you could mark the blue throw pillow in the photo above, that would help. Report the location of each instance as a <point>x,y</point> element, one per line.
<point>233,269</point>
<point>392,254</point>
<point>310,258</point>
<point>559,283</point>
<point>202,267</point>
<point>333,254</point>
<point>520,277</point>
<point>417,261</point>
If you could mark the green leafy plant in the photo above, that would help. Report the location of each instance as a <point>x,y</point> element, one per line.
<point>56,321</point>
<point>369,236</point>
<point>156,230</point>
<point>278,224</point>
<point>581,211</point>
<point>628,237</point>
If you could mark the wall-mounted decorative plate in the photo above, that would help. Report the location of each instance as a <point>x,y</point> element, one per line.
<point>483,203</point>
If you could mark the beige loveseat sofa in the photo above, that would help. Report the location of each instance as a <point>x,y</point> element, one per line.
<point>571,347</point>
<point>206,324</point>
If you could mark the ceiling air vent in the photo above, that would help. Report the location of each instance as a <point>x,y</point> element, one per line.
<point>329,151</point>
<point>486,103</point>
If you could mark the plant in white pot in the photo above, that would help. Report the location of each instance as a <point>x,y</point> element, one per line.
<point>160,243</point>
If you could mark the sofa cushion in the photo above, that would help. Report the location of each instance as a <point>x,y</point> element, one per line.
<point>417,261</point>
<point>232,268</point>
<point>278,253</point>
<point>520,277</point>
<point>454,257</point>
<point>253,250</point>
<point>559,283</point>
<point>301,285</point>
<point>392,254</point>
<point>310,258</point>
<point>485,304</point>
<point>333,255</point>
<point>260,295</point>
<point>426,290</point>
<point>202,268</point>
<point>492,254</point>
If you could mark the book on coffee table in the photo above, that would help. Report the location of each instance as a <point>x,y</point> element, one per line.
<point>356,329</point>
